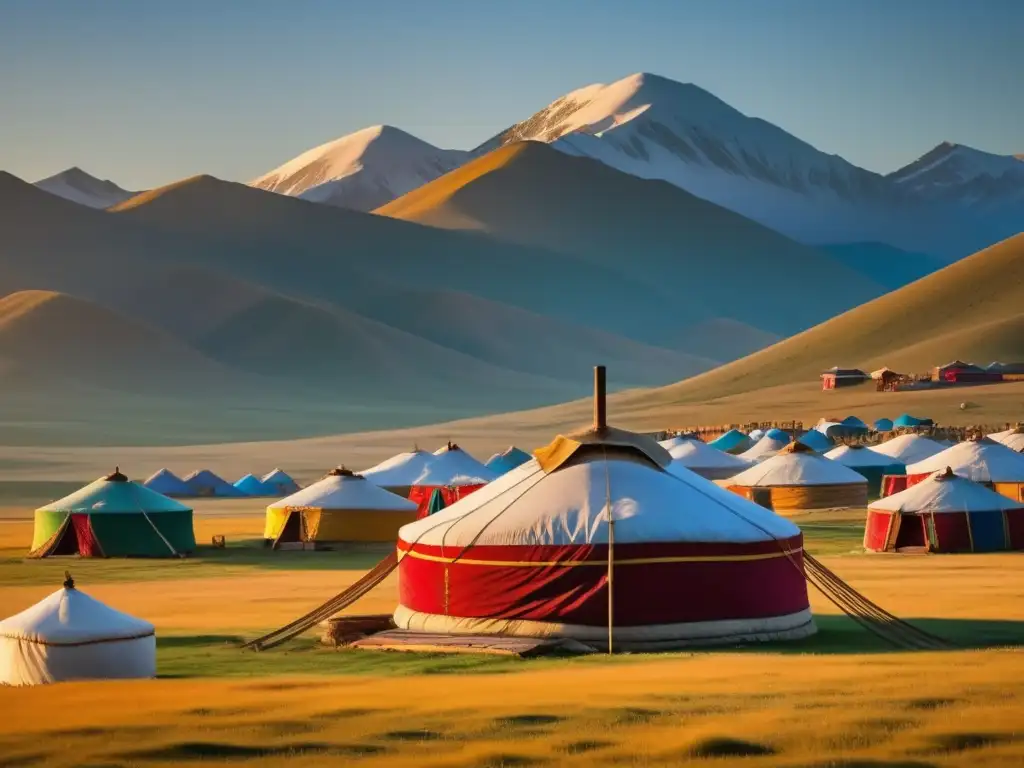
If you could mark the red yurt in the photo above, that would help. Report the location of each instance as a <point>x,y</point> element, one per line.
<point>982,460</point>
<point>945,513</point>
<point>595,540</point>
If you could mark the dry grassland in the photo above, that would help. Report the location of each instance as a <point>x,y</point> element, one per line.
<point>840,699</point>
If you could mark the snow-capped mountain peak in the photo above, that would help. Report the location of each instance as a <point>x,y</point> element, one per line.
<point>362,170</point>
<point>957,172</point>
<point>76,185</point>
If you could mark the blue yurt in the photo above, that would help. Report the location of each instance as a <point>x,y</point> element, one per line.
<point>279,483</point>
<point>816,441</point>
<point>732,441</point>
<point>883,425</point>
<point>906,420</point>
<point>507,460</point>
<point>203,482</point>
<point>853,421</point>
<point>165,482</point>
<point>868,463</point>
<point>251,485</point>
<point>778,434</point>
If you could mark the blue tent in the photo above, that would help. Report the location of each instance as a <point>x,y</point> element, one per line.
<point>167,483</point>
<point>906,420</point>
<point>203,482</point>
<point>883,425</point>
<point>816,441</point>
<point>853,421</point>
<point>732,441</point>
<point>507,460</point>
<point>251,485</point>
<point>778,434</point>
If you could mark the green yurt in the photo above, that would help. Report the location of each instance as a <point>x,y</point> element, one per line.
<point>114,517</point>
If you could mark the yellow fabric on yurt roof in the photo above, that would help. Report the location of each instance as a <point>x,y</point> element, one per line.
<point>562,448</point>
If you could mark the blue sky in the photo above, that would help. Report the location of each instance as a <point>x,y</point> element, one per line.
<point>145,92</point>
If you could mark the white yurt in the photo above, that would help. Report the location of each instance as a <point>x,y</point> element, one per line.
<point>765,448</point>
<point>710,463</point>
<point>71,636</point>
<point>671,442</point>
<point>400,473</point>
<point>1011,438</point>
<point>799,478</point>
<point>909,448</point>
<point>982,460</point>
<point>453,466</point>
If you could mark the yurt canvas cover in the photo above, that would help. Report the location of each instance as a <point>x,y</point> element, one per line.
<point>945,513</point>
<point>167,483</point>
<point>400,472</point>
<point>910,448</point>
<point>983,461</point>
<point>507,460</point>
<point>798,478</point>
<point>203,482</point>
<point>865,461</point>
<point>279,481</point>
<point>71,636</point>
<point>251,485</point>
<point>815,440</point>
<point>710,463</point>
<point>113,517</point>
<point>732,441</point>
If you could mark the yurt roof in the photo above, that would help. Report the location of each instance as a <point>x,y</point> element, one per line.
<point>250,484</point>
<point>694,453</point>
<point>70,617</point>
<point>568,506</point>
<point>276,476</point>
<point>342,489</point>
<point>982,460</point>
<point>883,425</point>
<point>206,477</point>
<point>860,456</point>
<point>671,442</point>
<point>797,465</point>
<point>763,448</point>
<point>946,492</point>
<point>731,441</point>
<point>816,440</point>
<point>909,448</point>
<point>1011,438</point>
<point>756,434</point>
<point>114,494</point>
<point>400,470</point>
<point>853,421</point>
<point>165,481</point>
<point>777,434</point>
<point>453,466</point>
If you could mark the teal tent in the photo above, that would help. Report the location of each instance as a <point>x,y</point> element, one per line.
<point>816,441</point>
<point>732,441</point>
<point>883,425</point>
<point>507,460</point>
<point>251,485</point>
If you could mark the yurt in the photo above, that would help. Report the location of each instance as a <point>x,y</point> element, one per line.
<point>454,473</point>
<point>250,485</point>
<point>507,460</point>
<point>203,482</point>
<point>733,441</point>
<point>909,448</point>
<point>853,421</point>
<point>945,513</point>
<point>279,482</point>
<point>867,462</point>
<point>341,507</point>
<point>1012,439</point>
<point>400,473</point>
<point>766,447</point>
<point>816,440</point>
<point>113,517</point>
<point>755,435</point>
<point>71,636</point>
<point>595,541</point>
<point>799,478</point>
<point>883,425</point>
<point>982,460</point>
<point>710,463</point>
<point>166,482</point>
<point>671,442</point>
<point>905,420</point>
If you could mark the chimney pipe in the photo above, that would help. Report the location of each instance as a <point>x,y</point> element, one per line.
<point>600,406</point>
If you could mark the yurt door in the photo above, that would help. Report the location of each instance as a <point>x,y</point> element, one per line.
<point>911,535</point>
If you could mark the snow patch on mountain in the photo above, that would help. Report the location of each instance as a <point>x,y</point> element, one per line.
<point>965,175</point>
<point>363,170</point>
<point>76,185</point>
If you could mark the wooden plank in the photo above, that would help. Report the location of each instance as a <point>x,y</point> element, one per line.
<point>426,642</point>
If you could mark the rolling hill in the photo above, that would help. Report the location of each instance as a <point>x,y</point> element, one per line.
<point>76,185</point>
<point>972,310</point>
<point>714,262</point>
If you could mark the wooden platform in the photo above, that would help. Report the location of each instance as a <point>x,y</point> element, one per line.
<point>425,642</point>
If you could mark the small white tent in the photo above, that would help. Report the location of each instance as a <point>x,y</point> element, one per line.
<point>71,636</point>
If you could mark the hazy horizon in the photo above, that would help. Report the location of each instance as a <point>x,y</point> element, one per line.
<point>147,93</point>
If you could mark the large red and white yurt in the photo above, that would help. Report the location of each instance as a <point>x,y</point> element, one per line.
<point>710,463</point>
<point>982,460</point>
<point>945,513</point>
<point>596,540</point>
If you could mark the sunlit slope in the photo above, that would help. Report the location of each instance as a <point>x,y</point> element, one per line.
<point>973,310</point>
<point>714,262</point>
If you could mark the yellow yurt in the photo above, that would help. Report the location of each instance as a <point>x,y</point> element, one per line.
<point>799,478</point>
<point>342,507</point>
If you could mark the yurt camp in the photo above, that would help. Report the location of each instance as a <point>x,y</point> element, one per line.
<point>733,441</point>
<point>203,482</point>
<point>113,517</point>
<point>250,485</point>
<point>342,507</point>
<point>797,478</point>
<point>453,475</point>
<point>167,483</point>
<point>71,636</point>
<point>773,441</point>
<point>595,541</point>
<point>699,457</point>
<point>945,513</point>
<point>279,482</point>
<point>909,448</point>
<point>401,472</point>
<point>982,460</point>
<point>865,461</point>
<point>507,460</point>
